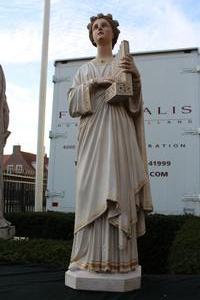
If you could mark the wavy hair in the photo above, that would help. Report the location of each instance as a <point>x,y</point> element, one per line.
<point>114,24</point>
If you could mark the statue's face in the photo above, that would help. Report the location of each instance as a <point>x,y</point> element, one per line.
<point>102,32</point>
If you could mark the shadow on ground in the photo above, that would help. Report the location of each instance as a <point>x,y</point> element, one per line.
<point>42,283</point>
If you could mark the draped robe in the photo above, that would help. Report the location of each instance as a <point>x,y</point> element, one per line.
<point>4,133</point>
<point>112,186</point>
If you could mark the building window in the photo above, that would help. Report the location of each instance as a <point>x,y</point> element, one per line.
<point>9,169</point>
<point>19,168</point>
<point>34,164</point>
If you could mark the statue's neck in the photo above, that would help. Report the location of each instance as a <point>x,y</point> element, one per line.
<point>104,52</point>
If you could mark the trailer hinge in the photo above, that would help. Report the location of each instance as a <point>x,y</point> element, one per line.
<point>191,198</point>
<point>192,70</point>
<point>62,79</point>
<point>49,194</point>
<point>192,131</point>
<point>54,135</point>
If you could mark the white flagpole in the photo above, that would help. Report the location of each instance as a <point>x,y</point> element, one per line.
<point>41,114</point>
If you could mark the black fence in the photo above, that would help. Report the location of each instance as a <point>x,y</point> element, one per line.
<point>19,193</point>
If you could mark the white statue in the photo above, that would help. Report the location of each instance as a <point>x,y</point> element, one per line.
<point>4,133</point>
<point>112,188</point>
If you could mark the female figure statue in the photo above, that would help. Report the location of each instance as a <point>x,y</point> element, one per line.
<point>112,188</point>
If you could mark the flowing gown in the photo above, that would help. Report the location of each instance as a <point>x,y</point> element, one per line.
<point>111,175</point>
<point>4,133</point>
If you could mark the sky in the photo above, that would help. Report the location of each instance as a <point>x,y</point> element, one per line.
<point>147,24</point>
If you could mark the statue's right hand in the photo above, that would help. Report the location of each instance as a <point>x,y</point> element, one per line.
<point>105,82</point>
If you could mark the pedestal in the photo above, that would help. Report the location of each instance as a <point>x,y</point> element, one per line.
<point>7,233</point>
<point>110,282</point>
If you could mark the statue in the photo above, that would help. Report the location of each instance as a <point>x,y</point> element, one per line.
<point>6,230</point>
<point>112,187</point>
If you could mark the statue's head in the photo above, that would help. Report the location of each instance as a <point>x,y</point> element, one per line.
<point>114,24</point>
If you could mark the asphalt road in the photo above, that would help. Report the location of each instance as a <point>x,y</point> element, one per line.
<point>43,283</point>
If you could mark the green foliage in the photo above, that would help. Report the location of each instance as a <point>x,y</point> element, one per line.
<point>185,251</point>
<point>174,236</point>
<point>45,225</point>
<point>154,246</point>
<point>47,252</point>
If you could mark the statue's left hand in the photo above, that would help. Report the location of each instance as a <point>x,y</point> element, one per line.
<point>127,65</point>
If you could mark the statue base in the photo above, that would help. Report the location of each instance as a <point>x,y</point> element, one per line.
<point>110,282</point>
<point>7,233</point>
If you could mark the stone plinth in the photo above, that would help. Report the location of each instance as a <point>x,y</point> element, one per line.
<point>110,282</point>
<point>7,233</point>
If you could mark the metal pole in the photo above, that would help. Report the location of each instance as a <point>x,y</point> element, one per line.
<point>41,114</point>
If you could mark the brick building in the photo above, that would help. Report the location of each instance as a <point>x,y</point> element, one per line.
<point>23,163</point>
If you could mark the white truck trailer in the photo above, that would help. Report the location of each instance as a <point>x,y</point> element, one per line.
<point>171,92</point>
